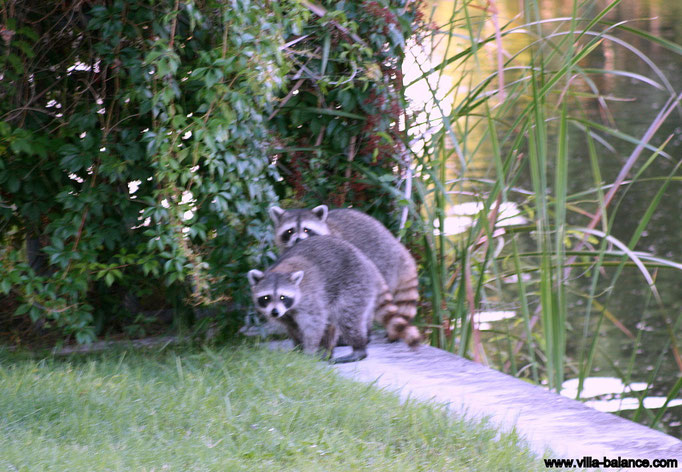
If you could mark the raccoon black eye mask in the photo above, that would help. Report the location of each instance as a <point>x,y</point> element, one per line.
<point>264,301</point>
<point>286,236</point>
<point>287,301</point>
<point>293,226</point>
<point>277,297</point>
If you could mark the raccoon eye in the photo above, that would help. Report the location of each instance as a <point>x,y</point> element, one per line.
<point>309,231</point>
<point>263,301</point>
<point>287,235</point>
<point>287,301</point>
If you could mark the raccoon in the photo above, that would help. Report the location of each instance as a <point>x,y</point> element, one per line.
<point>319,289</point>
<point>393,261</point>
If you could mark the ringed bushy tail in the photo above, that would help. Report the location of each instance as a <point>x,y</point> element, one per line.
<point>406,292</point>
<point>397,318</point>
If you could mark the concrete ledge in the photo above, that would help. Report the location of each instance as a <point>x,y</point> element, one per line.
<point>546,420</point>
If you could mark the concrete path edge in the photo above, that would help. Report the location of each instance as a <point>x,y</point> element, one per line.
<point>546,420</point>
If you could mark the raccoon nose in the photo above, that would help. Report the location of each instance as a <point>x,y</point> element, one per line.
<point>274,313</point>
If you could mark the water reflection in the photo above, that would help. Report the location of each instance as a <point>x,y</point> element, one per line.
<point>629,403</point>
<point>596,386</point>
<point>614,392</point>
<point>462,216</point>
<point>485,319</point>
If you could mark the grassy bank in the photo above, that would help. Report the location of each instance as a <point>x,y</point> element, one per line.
<point>238,408</point>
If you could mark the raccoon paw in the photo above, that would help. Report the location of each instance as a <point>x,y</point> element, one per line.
<point>356,355</point>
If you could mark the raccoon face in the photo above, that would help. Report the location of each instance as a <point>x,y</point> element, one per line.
<point>275,294</point>
<point>292,226</point>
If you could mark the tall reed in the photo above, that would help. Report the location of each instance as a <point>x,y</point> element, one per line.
<point>480,149</point>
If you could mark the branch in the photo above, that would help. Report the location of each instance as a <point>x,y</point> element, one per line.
<point>320,11</point>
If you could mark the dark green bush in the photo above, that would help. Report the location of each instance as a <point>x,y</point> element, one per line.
<point>136,150</point>
<point>340,121</point>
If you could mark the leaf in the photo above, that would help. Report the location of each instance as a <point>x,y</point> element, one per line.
<point>331,112</point>
<point>325,53</point>
<point>5,286</point>
<point>5,129</point>
<point>21,144</point>
<point>13,184</point>
<point>634,257</point>
<point>22,309</point>
<point>25,48</point>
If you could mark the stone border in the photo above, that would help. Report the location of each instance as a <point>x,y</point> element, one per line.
<point>100,346</point>
<point>565,427</point>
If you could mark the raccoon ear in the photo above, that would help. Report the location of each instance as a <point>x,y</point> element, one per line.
<point>275,214</point>
<point>255,276</point>
<point>296,277</point>
<point>321,212</point>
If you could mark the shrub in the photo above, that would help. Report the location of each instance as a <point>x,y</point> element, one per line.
<point>341,124</point>
<point>133,144</point>
<point>136,145</point>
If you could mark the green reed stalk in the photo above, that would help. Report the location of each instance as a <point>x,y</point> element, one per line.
<point>529,141</point>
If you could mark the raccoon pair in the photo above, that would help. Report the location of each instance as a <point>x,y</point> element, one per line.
<point>351,273</point>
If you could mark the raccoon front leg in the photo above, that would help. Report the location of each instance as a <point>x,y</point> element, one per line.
<point>292,330</point>
<point>312,329</point>
<point>329,341</point>
<point>354,329</point>
<point>295,336</point>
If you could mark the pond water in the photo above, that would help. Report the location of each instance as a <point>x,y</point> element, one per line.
<point>635,103</point>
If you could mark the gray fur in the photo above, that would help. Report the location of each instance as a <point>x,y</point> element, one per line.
<point>393,261</point>
<point>334,289</point>
<point>362,231</point>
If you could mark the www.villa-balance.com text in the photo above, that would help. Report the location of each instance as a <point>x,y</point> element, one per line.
<point>588,461</point>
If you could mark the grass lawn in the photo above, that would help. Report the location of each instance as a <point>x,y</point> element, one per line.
<point>238,408</point>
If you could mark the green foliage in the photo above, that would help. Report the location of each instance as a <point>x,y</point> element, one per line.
<point>136,145</point>
<point>134,158</point>
<point>339,124</point>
